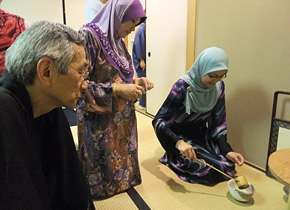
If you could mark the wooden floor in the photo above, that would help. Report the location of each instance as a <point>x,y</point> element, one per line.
<point>162,189</point>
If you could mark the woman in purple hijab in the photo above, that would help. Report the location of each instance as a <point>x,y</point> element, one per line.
<point>107,127</point>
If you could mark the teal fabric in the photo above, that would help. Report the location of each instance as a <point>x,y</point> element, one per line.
<point>199,98</point>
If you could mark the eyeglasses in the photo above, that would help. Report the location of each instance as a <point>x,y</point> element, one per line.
<point>84,73</point>
<point>214,76</point>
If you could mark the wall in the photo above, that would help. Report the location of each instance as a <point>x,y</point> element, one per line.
<point>167,41</point>
<point>75,13</point>
<point>35,10</point>
<point>256,36</point>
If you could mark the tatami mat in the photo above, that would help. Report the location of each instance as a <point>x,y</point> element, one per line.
<point>118,202</point>
<point>162,189</point>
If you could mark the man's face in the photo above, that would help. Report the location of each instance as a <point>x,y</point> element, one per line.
<point>68,88</point>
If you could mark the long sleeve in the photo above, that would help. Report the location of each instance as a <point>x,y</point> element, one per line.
<point>218,125</point>
<point>21,177</point>
<point>99,95</point>
<point>166,115</point>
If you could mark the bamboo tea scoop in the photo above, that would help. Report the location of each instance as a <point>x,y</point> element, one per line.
<point>240,180</point>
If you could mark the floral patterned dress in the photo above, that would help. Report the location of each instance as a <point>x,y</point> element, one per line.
<point>106,129</point>
<point>206,132</point>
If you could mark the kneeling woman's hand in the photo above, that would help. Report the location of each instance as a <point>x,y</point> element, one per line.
<point>185,149</point>
<point>236,158</point>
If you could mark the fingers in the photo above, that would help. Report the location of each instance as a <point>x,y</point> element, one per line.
<point>140,90</point>
<point>240,160</point>
<point>137,96</point>
<point>84,85</point>
<point>236,158</point>
<point>143,81</point>
<point>131,91</point>
<point>186,150</point>
<point>149,85</point>
<point>191,154</point>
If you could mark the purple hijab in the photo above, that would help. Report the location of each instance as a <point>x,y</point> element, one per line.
<point>105,26</point>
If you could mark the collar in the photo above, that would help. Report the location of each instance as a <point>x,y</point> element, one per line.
<point>8,81</point>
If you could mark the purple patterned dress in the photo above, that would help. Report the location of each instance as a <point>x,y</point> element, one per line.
<point>107,129</point>
<point>206,132</point>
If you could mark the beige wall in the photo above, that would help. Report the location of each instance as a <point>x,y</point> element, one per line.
<point>75,13</point>
<point>256,36</point>
<point>35,10</point>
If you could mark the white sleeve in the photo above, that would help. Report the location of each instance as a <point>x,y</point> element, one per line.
<point>92,8</point>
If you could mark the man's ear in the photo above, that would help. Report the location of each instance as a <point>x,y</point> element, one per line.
<point>44,70</point>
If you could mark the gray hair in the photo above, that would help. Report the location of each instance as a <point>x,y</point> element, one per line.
<point>42,39</point>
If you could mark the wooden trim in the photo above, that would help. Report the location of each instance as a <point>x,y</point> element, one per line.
<point>190,38</point>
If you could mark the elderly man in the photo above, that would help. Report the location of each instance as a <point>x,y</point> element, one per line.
<point>39,166</point>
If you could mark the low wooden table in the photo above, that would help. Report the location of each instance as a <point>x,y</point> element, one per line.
<point>279,165</point>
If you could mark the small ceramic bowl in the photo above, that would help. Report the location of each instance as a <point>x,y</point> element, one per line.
<point>242,195</point>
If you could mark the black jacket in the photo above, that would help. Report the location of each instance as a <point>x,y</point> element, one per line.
<point>39,166</point>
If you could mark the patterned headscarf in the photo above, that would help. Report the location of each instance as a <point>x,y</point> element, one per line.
<point>200,98</point>
<point>105,26</point>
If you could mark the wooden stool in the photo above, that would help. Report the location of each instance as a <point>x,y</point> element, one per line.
<point>279,165</point>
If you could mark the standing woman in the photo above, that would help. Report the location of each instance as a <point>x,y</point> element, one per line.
<point>192,122</point>
<point>107,127</point>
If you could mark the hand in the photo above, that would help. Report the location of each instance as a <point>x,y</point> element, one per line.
<point>142,64</point>
<point>144,82</point>
<point>129,91</point>
<point>236,158</point>
<point>92,106</point>
<point>186,149</point>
